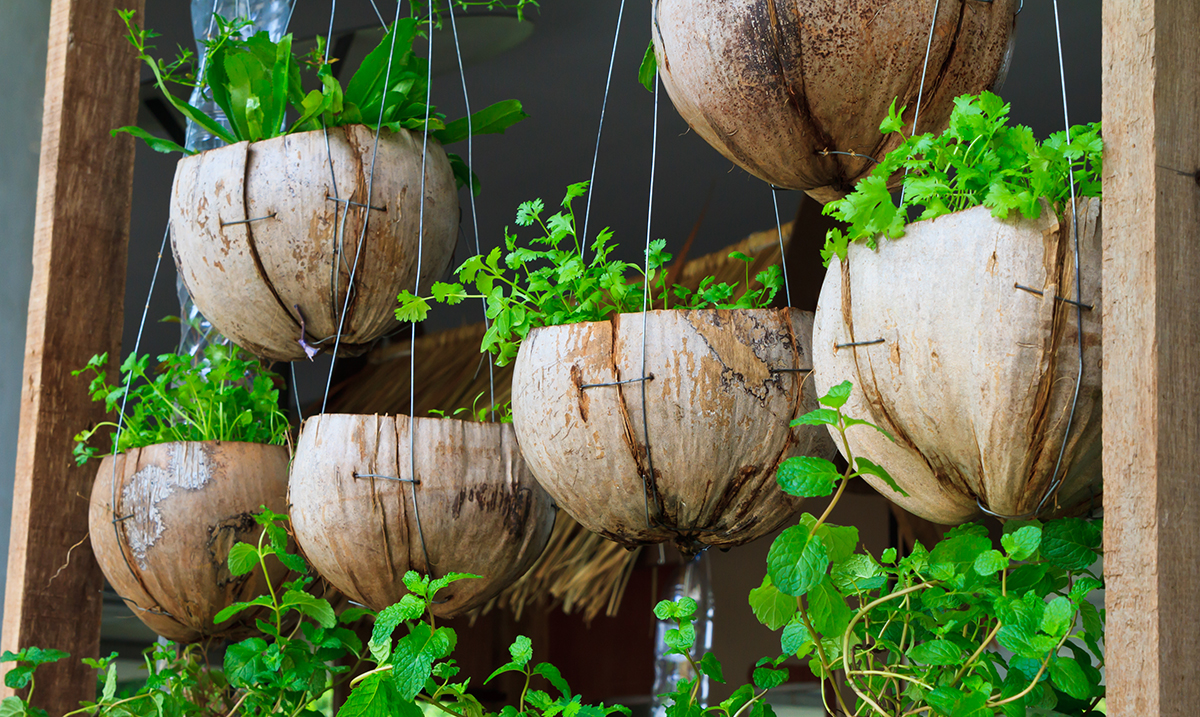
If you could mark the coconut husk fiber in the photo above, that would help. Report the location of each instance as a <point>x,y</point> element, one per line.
<point>773,85</point>
<point>975,378</point>
<point>265,249</point>
<point>364,510</point>
<point>179,508</point>
<point>579,571</point>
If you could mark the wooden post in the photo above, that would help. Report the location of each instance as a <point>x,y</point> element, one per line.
<point>1151,340</point>
<point>81,233</point>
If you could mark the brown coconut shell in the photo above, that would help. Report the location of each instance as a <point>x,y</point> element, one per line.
<point>480,509</point>
<point>178,509</point>
<point>717,418</point>
<point>975,378</point>
<point>771,85</point>
<point>256,234</point>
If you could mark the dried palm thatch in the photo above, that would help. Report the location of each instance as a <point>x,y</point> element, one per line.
<point>579,570</point>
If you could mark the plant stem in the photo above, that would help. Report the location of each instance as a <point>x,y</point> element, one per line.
<point>821,653</point>
<point>439,705</point>
<point>1036,678</point>
<point>967,665</point>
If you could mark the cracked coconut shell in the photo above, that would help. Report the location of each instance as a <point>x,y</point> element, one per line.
<point>478,507</point>
<point>772,84</point>
<point>163,543</point>
<point>975,378</point>
<point>264,248</point>
<point>725,387</point>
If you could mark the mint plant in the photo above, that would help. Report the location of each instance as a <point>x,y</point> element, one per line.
<point>978,160</point>
<point>920,633</point>
<point>224,397</point>
<point>548,282</point>
<point>256,82</point>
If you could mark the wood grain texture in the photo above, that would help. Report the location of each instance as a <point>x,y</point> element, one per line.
<point>975,379</point>
<point>179,508</point>
<point>716,416</point>
<point>771,84</point>
<point>1151,52</point>
<point>256,235</point>
<point>478,507</point>
<point>75,305</point>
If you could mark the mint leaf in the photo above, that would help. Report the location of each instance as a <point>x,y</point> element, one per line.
<point>648,72</point>
<point>1022,543</point>
<point>936,652</point>
<point>772,608</point>
<point>711,666</point>
<point>521,650</point>
<point>1067,675</point>
<point>1070,543</point>
<point>837,395</point>
<point>797,561</point>
<point>795,637</point>
<point>990,562</point>
<point>807,476</point>
<point>866,467</point>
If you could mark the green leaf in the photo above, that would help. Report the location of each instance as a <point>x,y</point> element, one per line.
<point>376,696</point>
<point>990,563</point>
<point>1067,675</point>
<point>838,395</point>
<point>415,654</point>
<point>936,652</point>
<point>648,72</point>
<point>521,650</point>
<point>314,607</point>
<point>1022,543</point>
<point>1023,643</point>
<point>1093,624</point>
<point>158,144</point>
<point>1059,617</point>
<point>110,684</point>
<point>12,707</point>
<point>243,558</point>
<point>413,309</point>
<point>493,119</point>
<point>711,666</point>
<point>866,467</point>
<point>960,552</point>
<point>766,678</point>
<point>554,677</point>
<point>770,606</point>
<point>828,611</point>
<point>797,561</point>
<point>1070,543</point>
<point>954,702</point>
<point>795,636</point>
<point>819,417</point>
<point>244,661</point>
<point>807,476</point>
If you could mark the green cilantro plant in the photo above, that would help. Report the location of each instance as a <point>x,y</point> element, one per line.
<point>257,83</point>
<point>500,413</point>
<point>548,281</point>
<point>964,629</point>
<point>978,160</point>
<point>224,397</point>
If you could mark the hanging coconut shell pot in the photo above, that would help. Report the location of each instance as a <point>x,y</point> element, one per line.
<point>725,386</point>
<point>362,522</point>
<point>267,234</point>
<point>775,86</point>
<point>162,520</point>
<point>970,361</point>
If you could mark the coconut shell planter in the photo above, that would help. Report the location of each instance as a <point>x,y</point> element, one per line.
<point>477,510</point>
<point>162,534</point>
<point>974,377</point>
<point>264,247</point>
<point>725,386</point>
<point>773,85</point>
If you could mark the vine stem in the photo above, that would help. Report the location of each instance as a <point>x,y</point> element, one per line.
<point>894,675</point>
<point>1036,678</point>
<point>967,665</point>
<point>850,629</point>
<point>438,704</point>
<point>821,654</point>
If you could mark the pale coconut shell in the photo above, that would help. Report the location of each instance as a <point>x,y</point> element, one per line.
<point>248,277</point>
<point>771,84</point>
<point>179,508</point>
<point>975,378</point>
<point>480,509</point>
<point>717,415</point>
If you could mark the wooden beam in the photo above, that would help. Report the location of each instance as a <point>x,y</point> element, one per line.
<point>1151,57</point>
<point>80,242</point>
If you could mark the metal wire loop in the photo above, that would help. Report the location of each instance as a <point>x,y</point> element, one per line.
<point>386,477</point>
<point>247,221</point>
<point>827,152</point>
<point>858,343</point>
<point>1080,304</point>
<point>790,370</point>
<point>350,203</point>
<point>618,383</point>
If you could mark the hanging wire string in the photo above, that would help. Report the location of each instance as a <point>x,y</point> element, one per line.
<point>648,481</point>
<point>370,194</point>
<point>921,88</point>
<point>787,288</point>
<point>1055,481</point>
<point>471,194</point>
<point>587,210</point>
<point>412,353</point>
<point>137,345</point>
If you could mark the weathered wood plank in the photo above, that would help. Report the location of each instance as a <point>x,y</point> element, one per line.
<point>1151,53</point>
<point>75,305</point>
